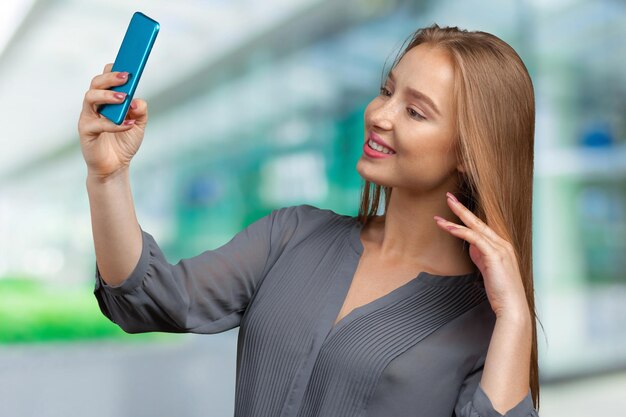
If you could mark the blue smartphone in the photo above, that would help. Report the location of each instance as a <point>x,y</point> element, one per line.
<point>132,57</point>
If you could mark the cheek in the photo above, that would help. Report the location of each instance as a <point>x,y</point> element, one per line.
<point>423,148</point>
<point>423,138</point>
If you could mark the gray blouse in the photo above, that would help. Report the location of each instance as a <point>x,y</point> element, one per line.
<point>416,351</point>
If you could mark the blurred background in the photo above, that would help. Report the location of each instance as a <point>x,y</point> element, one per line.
<point>256,105</point>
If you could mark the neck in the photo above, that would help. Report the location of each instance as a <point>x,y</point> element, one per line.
<point>408,235</point>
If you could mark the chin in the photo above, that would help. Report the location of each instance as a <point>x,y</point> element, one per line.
<point>373,179</point>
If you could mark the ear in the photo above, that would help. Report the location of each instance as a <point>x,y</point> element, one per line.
<point>461,168</point>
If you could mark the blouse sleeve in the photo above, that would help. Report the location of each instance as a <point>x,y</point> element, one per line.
<point>207,293</point>
<point>473,401</point>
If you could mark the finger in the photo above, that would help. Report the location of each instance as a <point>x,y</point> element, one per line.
<point>472,221</point>
<point>107,68</point>
<point>484,245</point>
<point>96,126</point>
<point>109,79</point>
<point>93,98</point>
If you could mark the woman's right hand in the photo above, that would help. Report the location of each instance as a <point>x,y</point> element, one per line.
<point>107,147</point>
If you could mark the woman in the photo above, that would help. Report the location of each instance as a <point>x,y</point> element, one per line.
<point>333,320</point>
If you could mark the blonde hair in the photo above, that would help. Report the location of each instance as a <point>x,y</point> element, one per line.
<point>495,122</point>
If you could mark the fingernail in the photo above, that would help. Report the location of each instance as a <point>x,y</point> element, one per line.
<point>452,197</point>
<point>128,122</point>
<point>122,75</point>
<point>451,227</point>
<point>133,105</point>
<point>120,95</point>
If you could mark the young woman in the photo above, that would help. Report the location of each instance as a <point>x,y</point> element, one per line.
<point>425,310</point>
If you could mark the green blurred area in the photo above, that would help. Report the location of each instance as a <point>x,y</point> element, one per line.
<point>32,311</point>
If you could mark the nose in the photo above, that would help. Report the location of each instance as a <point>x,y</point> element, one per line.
<point>382,116</point>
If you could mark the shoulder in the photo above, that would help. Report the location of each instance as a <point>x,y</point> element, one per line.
<point>306,215</point>
<point>302,220</point>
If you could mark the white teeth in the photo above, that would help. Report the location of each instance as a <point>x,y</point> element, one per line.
<point>379,148</point>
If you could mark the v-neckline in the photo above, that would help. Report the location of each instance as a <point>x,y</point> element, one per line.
<point>399,293</point>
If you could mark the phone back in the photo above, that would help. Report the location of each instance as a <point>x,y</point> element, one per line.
<point>132,57</point>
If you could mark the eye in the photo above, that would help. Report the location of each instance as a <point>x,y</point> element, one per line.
<point>415,114</point>
<point>386,93</point>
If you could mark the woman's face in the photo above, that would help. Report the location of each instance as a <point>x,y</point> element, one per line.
<point>421,135</point>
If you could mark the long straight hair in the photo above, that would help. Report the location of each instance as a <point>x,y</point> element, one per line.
<point>494,116</point>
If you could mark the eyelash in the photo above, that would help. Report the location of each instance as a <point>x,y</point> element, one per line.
<point>416,116</point>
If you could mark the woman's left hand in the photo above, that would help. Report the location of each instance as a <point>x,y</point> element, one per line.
<point>494,256</point>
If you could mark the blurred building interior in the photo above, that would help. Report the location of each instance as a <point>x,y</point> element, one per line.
<point>255,105</point>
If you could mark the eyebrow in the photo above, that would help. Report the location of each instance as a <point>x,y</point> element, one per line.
<point>418,95</point>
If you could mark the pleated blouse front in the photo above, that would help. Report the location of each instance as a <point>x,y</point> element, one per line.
<point>419,350</point>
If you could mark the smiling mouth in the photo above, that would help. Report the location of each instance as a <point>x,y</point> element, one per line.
<point>379,148</point>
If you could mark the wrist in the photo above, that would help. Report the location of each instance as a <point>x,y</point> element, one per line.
<point>121,174</point>
<point>518,316</point>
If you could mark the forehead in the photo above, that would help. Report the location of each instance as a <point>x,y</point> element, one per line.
<point>428,70</point>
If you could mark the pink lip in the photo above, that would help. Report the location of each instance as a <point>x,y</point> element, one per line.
<point>373,136</point>
<point>375,154</point>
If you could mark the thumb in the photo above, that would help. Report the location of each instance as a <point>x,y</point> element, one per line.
<point>138,110</point>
